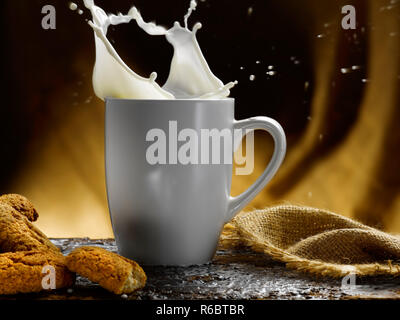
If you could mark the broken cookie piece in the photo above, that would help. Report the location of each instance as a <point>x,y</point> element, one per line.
<point>21,204</point>
<point>23,272</point>
<point>113,272</point>
<point>17,233</point>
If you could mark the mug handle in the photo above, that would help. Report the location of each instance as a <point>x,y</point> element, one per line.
<point>275,130</point>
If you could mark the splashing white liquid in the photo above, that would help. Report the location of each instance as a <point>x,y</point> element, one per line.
<point>190,76</point>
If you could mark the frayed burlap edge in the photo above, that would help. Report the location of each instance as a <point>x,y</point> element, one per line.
<point>233,237</point>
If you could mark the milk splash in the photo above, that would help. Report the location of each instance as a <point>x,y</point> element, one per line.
<point>190,76</point>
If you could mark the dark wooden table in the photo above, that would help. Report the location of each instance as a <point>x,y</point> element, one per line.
<point>233,274</point>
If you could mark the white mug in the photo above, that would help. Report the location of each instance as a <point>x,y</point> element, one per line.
<point>173,213</point>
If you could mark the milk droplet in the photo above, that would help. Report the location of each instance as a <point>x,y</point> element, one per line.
<point>70,290</point>
<point>270,67</point>
<point>73,6</point>
<point>306,85</point>
<point>344,70</point>
<point>365,80</point>
<point>80,12</point>
<point>88,100</point>
<point>356,67</point>
<point>271,73</point>
<point>250,11</point>
<point>252,77</point>
<point>320,36</point>
<point>153,76</point>
<point>258,62</point>
<point>241,68</point>
<point>124,296</point>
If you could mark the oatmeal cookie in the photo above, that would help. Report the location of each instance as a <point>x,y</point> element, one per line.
<point>21,272</point>
<point>21,204</point>
<point>17,233</point>
<point>113,272</point>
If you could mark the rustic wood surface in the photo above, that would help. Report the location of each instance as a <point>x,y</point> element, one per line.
<point>233,274</point>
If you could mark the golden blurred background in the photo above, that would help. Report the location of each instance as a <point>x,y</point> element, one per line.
<point>335,92</point>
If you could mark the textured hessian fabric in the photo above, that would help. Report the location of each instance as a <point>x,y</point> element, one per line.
<point>315,241</point>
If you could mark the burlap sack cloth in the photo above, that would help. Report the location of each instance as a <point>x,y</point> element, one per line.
<point>315,241</point>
